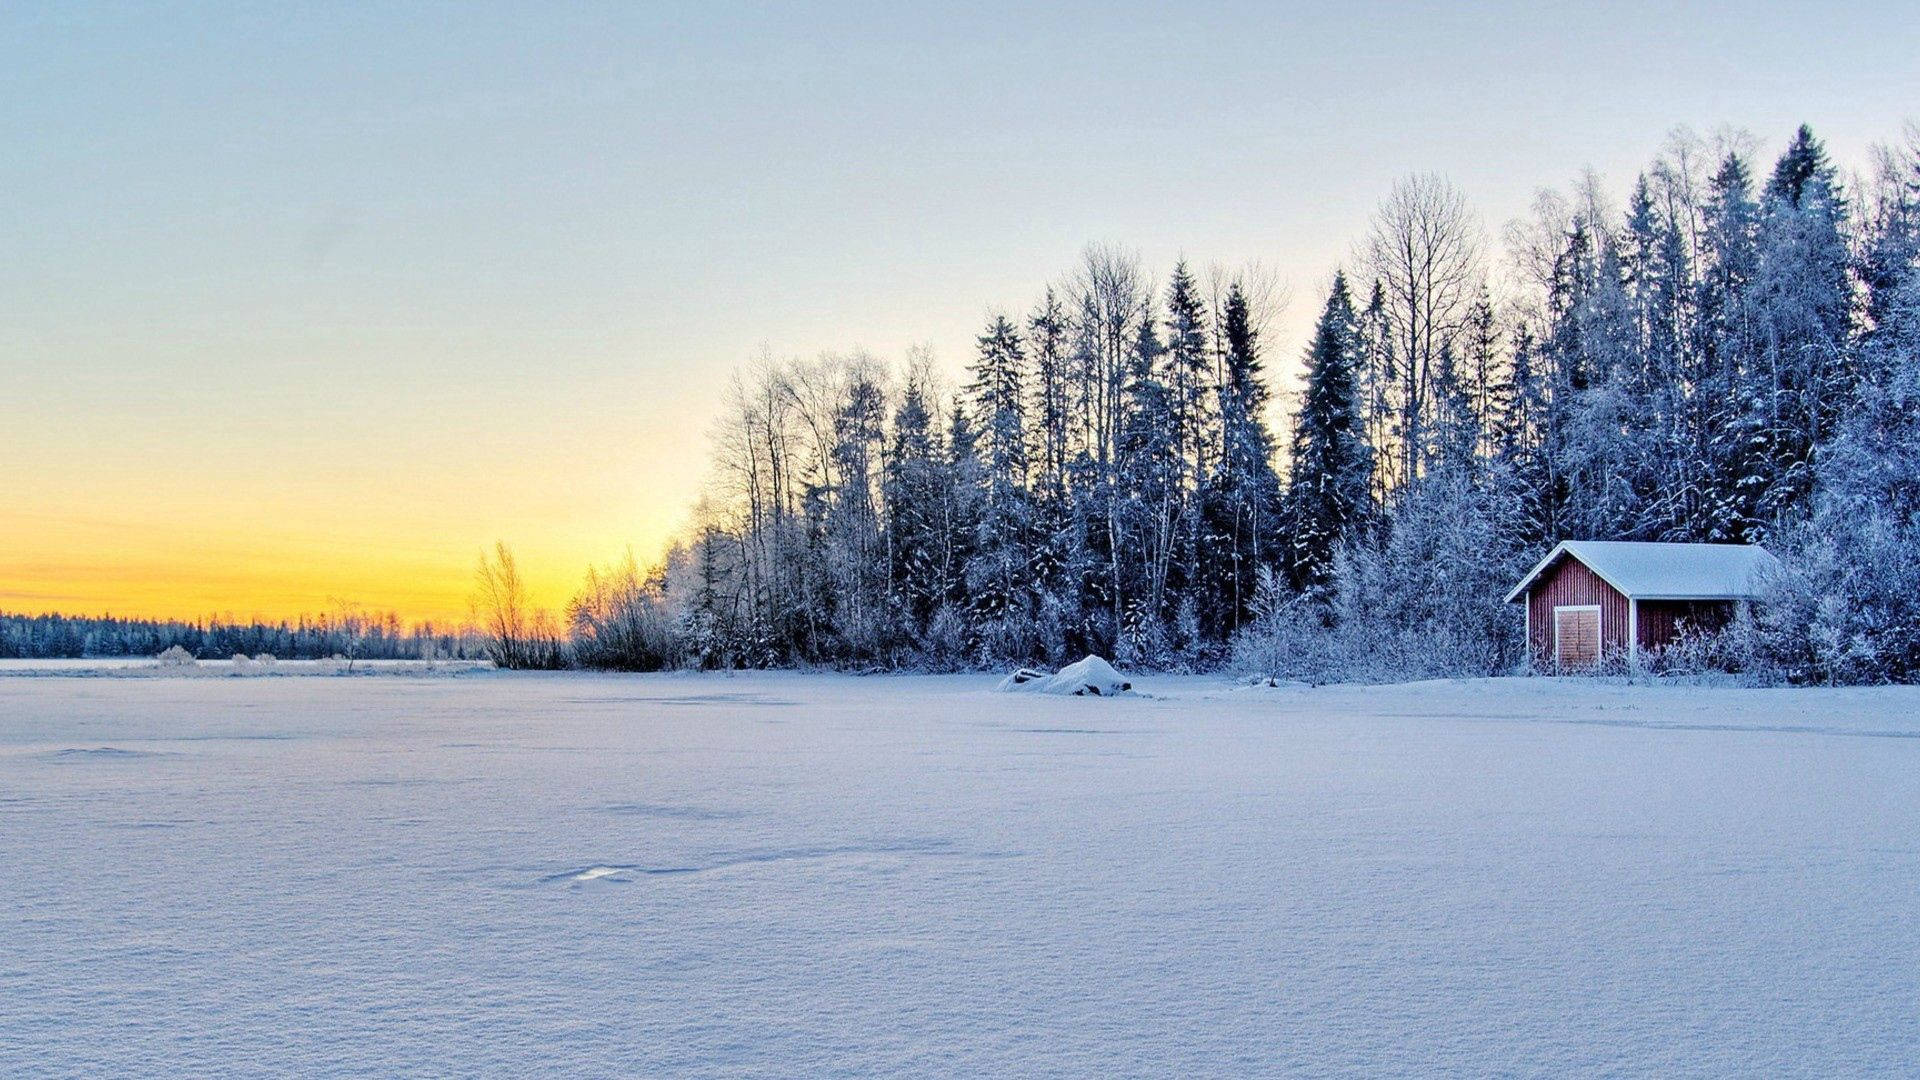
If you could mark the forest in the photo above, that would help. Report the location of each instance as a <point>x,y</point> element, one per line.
<point>1727,351</point>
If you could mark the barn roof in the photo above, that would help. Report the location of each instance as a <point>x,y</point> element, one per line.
<point>1645,571</point>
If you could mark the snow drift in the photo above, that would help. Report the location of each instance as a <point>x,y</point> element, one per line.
<point>1089,676</point>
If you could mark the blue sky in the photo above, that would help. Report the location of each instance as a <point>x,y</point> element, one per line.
<point>384,274</point>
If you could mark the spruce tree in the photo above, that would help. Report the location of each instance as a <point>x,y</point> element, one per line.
<point>1144,514</point>
<point>855,562</point>
<point>1801,303</point>
<point>1056,547</point>
<point>1804,165</point>
<point>1328,493</point>
<point>1187,365</point>
<point>918,482</point>
<point>1732,479</point>
<point>1050,346</point>
<point>998,398</point>
<point>1243,499</point>
<point>999,589</point>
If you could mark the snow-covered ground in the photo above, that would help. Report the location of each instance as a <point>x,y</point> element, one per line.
<point>803,875</point>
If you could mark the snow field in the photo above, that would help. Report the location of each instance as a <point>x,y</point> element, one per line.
<point>780,875</point>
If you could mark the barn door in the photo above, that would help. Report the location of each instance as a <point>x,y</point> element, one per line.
<point>1576,636</point>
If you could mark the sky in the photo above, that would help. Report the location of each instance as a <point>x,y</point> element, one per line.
<point>307,303</point>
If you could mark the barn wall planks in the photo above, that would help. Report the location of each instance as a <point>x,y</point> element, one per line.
<point>1568,582</point>
<point>1663,621</point>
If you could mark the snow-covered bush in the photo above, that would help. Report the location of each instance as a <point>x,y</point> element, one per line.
<point>257,665</point>
<point>1425,602</point>
<point>1734,651</point>
<point>1847,606</point>
<point>1289,638</point>
<point>175,656</point>
<point>1429,601</point>
<point>621,621</point>
<point>1145,640</point>
<point>945,644</point>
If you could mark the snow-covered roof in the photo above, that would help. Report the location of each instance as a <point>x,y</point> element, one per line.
<point>1646,571</point>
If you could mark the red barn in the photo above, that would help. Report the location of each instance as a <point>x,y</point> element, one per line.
<point>1589,600</point>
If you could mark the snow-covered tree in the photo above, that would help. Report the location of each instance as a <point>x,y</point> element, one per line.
<point>1329,493</point>
<point>1000,588</point>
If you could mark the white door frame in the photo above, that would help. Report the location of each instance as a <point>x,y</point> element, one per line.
<point>1531,658</point>
<point>1633,630</point>
<point>1599,631</point>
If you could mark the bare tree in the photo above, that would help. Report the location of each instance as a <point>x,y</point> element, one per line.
<point>1425,251</point>
<point>351,625</point>
<point>501,607</point>
<point>1112,296</point>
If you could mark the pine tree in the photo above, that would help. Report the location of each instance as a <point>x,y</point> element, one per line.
<point>853,542</point>
<point>1187,373</point>
<point>1379,375</point>
<point>1732,478</point>
<point>918,496</point>
<point>1481,377</point>
<point>1243,499</point>
<point>1801,302</point>
<point>1666,463</point>
<point>1047,336</point>
<point>1056,548</point>
<point>1802,171</point>
<point>1456,432</point>
<point>1521,434</point>
<point>1328,494</point>
<point>1891,254</point>
<point>1186,368</point>
<point>966,495</point>
<point>1146,511</point>
<point>999,589</point>
<point>998,394</point>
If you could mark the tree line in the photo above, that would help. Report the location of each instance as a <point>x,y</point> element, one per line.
<point>349,632</point>
<point>1728,353</point>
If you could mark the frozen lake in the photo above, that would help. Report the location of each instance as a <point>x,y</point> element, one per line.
<point>783,875</point>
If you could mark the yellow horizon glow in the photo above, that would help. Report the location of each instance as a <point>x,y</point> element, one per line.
<point>141,509</point>
<point>140,568</point>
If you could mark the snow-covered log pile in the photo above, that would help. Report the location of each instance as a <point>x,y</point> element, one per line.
<point>1092,676</point>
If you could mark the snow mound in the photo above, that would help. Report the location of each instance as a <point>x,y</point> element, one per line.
<point>1089,676</point>
<point>176,656</point>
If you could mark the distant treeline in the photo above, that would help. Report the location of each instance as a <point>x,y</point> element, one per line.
<point>372,637</point>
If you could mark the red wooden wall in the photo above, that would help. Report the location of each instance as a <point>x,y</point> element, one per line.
<point>1661,621</point>
<point>1566,582</point>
